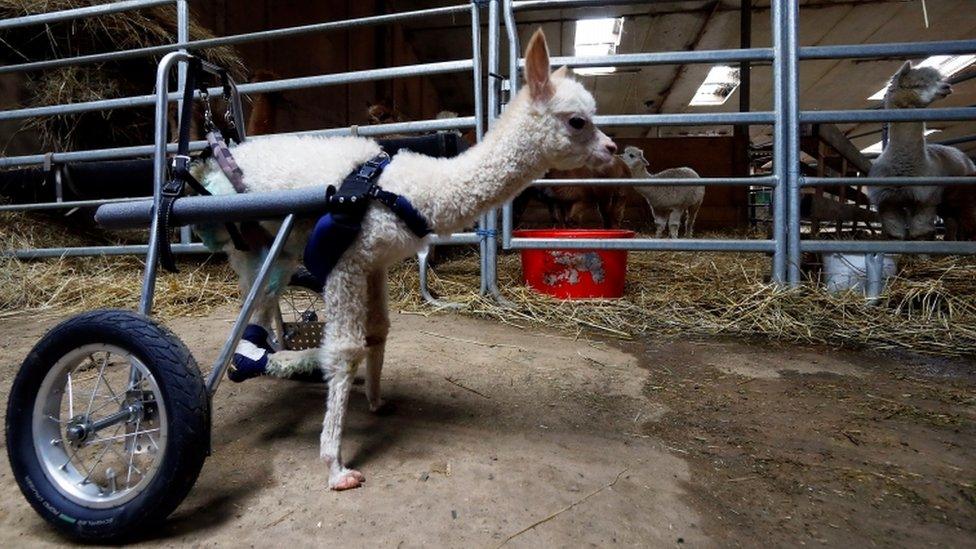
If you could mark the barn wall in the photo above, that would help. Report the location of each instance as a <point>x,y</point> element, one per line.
<point>323,53</point>
<point>723,207</point>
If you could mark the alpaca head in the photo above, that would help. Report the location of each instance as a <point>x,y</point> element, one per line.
<point>915,87</point>
<point>563,112</point>
<point>634,158</point>
<point>383,112</point>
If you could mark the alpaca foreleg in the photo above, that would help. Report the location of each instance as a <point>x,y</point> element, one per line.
<point>690,220</point>
<point>286,364</point>
<point>894,220</point>
<point>660,222</point>
<point>343,348</point>
<point>922,222</point>
<point>674,222</point>
<point>377,328</point>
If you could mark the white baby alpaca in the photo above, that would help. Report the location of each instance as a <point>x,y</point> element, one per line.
<point>668,203</point>
<point>548,125</point>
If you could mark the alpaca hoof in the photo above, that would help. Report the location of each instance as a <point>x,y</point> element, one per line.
<point>382,408</point>
<point>346,480</point>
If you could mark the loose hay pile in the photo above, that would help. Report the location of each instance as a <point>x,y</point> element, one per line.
<point>67,285</point>
<point>930,308</point>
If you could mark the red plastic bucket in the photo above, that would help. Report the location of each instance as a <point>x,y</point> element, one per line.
<point>575,274</point>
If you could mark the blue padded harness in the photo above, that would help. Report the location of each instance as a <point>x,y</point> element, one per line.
<point>336,231</point>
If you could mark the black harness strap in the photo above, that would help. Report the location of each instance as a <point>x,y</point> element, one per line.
<point>180,176</point>
<point>173,187</point>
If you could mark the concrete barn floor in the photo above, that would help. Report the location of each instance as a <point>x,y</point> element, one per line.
<point>650,443</point>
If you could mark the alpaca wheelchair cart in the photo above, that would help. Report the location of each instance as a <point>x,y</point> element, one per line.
<point>108,419</point>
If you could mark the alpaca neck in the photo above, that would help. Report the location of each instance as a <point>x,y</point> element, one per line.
<point>263,114</point>
<point>492,172</point>
<point>906,139</point>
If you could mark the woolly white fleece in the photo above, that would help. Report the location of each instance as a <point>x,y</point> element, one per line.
<point>668,203</point>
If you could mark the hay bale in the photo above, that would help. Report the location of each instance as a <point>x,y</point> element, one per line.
<point>112,32</point>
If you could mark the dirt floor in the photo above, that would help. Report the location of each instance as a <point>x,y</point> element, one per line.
<point>503,435</point>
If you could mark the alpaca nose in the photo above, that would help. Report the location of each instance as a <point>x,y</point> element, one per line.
<point>611,147</point>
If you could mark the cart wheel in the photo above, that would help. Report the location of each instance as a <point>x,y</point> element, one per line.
<point>107,425</point>
<point>302,318</point>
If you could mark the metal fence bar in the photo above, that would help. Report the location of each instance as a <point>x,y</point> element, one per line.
<point>888,115</point>
<point>661,182</point>
<point>780,105</point>
<point>895,49</point>
<point>77,13</point>
<point>664,58</point>
<point>66,205</point>
<point>234,39</point>
<point>887,181</point>
<point>789,19</point>
<point>182,37</point>
<point>461,123</point>
<point>514,51</point>
<point>285,84</point>
<point>888,246</point>
<point>645,244</point>
<point>136,249</point>
<point>686,119</point>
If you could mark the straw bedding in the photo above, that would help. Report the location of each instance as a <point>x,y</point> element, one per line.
<point>929,308</point>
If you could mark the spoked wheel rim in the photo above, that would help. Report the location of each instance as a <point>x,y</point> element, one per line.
<point>99,426</point>
<point>302,316</point>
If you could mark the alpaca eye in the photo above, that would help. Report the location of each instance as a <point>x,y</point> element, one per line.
<point>577,122</point>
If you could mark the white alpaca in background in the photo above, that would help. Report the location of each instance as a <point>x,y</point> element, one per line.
<point>548,125</point>
<point>668,203</point>
<point>910,212</point>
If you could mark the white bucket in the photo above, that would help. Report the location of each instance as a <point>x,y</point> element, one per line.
<point>843,272</point>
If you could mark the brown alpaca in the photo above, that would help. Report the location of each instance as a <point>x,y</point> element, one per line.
<point>609,201</point>
<point>383,112</point>
<point>958,210</point>
<point>264,107</point>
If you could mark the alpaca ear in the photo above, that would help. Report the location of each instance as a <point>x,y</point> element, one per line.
<point>537,67</point>
<point>561,72</point>
<point>644,160</point>
<point>907,66</point>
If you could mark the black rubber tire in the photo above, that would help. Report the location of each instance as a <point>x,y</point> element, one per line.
<point>304,279</point>
<point>188,436</point>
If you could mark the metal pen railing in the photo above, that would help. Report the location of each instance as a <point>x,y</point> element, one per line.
<point>183,44</point>
<point>785,55</point>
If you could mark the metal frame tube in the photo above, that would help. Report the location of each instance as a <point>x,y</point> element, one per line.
<point>514,51</point>
<point>887,181</point>
<point>889,247</point>
<point>182,37</point>
<point>159,174</point>
<point>765,181</point>
<point>235,39</point>
<point>284,84</point>
<point>780,100</point>
<point>464,122</point>
<point>77,13</point>
<point>247,307</point>
<point>889,115</point>
<point>646,244</point>
<point>664,58</point>
<point>894,49</point>
<point>82,251</point>
<point>789,17</point>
